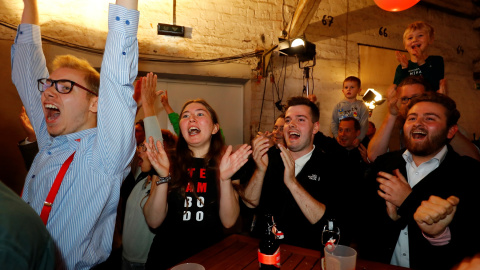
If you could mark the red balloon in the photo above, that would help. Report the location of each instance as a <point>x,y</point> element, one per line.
<point>395,5</point>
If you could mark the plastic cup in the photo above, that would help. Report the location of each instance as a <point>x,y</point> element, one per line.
<point>341,258</point>
<point>188,266</point>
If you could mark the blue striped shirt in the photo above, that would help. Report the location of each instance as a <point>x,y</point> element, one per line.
<point>82,218</point>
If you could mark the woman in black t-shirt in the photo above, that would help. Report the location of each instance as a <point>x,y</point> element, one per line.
<point>191,210</point>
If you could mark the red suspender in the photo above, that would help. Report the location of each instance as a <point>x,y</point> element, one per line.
<point>47,205</point>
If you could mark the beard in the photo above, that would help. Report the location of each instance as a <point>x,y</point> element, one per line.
<point>432,143</point>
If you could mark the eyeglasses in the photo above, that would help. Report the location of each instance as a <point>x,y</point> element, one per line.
<point>142,147</point>
<point>62,86</point>
<point>405,100</point>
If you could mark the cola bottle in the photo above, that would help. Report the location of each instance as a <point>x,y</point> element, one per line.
<point>269,247</point>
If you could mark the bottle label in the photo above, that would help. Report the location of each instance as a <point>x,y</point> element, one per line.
<point>273,259</point>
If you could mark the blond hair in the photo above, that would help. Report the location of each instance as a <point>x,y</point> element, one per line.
<point>419,25</point>
<point>92,77</point>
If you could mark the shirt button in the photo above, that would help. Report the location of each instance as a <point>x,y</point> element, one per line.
<point>127,22</point>
<point>404,254</point>
<point>124,53</point>
<point>21,32</point>
<point>117,18</point>
<point>405,233</point>
<point>49,152</point>
<point>33,176</point>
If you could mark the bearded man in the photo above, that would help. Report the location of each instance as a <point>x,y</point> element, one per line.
<point>426,196</point>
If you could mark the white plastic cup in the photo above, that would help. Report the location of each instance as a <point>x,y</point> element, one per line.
<point>341,258</point>
<point>188,266</point>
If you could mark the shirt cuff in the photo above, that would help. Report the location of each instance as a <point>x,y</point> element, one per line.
<point>441,240</point>
<point>152,128</point>
<point>123,20</point>
<point>28,33</point>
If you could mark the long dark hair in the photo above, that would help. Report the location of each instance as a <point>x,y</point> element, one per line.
<point>183,158</point>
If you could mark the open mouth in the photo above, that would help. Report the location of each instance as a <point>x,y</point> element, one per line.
<point>51,112</point>
<point>293,135</point>
<point>415,46</point>
<point>193,131</point>
<point>419,134</point>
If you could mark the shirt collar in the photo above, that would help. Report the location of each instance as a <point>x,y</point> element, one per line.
<point>303,159</point>
<point>440,156</point>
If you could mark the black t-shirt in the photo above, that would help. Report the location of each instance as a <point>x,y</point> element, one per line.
<point>432,71</point>
<point>190,225</point>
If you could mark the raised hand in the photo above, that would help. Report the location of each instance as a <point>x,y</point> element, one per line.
<point>158,157</point>
<point>402,59</point>
<point>268,135</point>
<point>231,163</point>
<point>27,126</point>
<point>149,93</point>
<point>392,99</point>
<point>137,93</point>
<point>289,163</point>
<point>433,216</point>
<point>420,55</point>
<point>395,187</point>
<point>164,100</point>
<point>260,146</point>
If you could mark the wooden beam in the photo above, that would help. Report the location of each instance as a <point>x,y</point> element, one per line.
<point>302,17</point>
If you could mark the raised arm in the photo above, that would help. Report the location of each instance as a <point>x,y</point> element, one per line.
<point>130,4</point>
<point>379,143</point>
<point>116,106</point>
<point>148,95</point>
<point>29,65</point>
<point>165,103</point>
<point>27,126</point>
<point>30,12</point>
<point>464,147</point>
<point>312,209</point>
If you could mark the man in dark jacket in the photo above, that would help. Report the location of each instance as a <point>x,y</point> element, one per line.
<point>421,216</point>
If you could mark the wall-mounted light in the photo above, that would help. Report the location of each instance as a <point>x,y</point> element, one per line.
<point>372,98</point>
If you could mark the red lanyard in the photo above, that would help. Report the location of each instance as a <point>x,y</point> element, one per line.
<point>47,205</point>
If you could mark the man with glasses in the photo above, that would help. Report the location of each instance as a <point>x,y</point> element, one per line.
<point>84,132</point>
<point>389,136</point>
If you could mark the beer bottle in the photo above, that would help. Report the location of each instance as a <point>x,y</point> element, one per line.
<point>269,247</point>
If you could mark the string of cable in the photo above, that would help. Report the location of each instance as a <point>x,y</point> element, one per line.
<point>63,43</point>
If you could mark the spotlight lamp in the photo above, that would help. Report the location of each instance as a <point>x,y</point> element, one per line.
<point>299,47</point>
<point>304,51</point>
<point>298,42</point>
<point>372,98</point>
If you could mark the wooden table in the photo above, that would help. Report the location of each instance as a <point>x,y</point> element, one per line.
<point>240,252</point>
